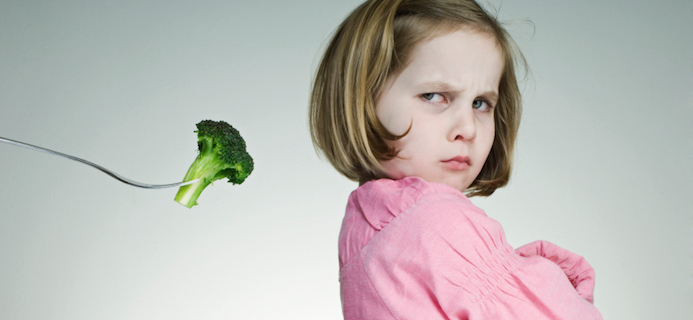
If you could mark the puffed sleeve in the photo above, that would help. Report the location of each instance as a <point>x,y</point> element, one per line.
<point>576,268</point>
<point>440,259</point>
<point>443,258</point>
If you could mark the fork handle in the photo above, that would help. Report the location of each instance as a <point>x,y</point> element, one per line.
<point>102,169</point>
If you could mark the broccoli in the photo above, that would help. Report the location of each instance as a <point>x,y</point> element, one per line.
<point>222,155</point>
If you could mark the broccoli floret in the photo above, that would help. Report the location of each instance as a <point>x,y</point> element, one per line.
<point>222,155</point>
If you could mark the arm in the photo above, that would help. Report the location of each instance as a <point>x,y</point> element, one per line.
<point>438,260</point>
<point>445,259</point>
<point>576,268</point>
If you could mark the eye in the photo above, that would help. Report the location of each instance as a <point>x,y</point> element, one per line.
<point>481,105</point>
<point>434,97</point>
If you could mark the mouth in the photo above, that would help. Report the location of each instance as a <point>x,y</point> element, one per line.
<point>458,163</point>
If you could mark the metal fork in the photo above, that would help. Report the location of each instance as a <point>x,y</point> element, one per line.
<point>104,170</point>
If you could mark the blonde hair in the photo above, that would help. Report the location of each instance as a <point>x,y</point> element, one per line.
<point>374,43</point>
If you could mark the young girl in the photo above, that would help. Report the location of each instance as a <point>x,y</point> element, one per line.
<point>417,100</point>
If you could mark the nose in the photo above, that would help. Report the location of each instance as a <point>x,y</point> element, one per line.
<point>463,124</point>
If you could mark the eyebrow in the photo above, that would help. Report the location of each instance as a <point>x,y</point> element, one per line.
<point>446,87</point>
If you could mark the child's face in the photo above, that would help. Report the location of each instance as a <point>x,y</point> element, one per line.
<point>446,93</point>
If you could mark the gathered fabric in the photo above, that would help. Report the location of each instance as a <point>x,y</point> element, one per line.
<point>410,249</point>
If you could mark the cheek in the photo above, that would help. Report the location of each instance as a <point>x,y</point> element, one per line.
<point>486,136</point>
<point>491,134</point>
<point>393,113</point>
<point>395,123</point>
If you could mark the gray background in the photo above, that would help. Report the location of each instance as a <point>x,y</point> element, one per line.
<point>603,164</point>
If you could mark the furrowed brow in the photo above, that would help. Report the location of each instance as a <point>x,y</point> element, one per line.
<point>491,95</point>
<point>439,86</point>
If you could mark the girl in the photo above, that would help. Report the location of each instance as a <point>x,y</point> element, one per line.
<point>417,100</point>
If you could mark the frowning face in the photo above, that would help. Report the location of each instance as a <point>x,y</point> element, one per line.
<point>447,94</point>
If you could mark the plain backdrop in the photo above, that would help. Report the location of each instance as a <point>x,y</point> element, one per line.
<point>604,159</point>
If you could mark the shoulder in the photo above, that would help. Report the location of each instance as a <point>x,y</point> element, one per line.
<point>412,214</point>
<point>396,196</point>
<point>380,201</point>
<point>440,222</point>
<point>377,203</point>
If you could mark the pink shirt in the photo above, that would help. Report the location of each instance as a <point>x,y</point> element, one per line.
<point>409,249</point>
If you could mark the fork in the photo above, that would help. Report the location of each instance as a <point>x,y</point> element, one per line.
<point>104,170</point>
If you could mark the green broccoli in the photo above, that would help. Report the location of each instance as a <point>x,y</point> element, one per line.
<point>222,155</point>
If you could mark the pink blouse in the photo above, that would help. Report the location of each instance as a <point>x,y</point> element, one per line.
<point>409,249</point>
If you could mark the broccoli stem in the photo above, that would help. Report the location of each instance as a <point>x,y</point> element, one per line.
<point>187,195</point>
<point>205,167</point>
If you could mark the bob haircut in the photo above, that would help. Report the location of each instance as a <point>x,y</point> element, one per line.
<point>375,42</point>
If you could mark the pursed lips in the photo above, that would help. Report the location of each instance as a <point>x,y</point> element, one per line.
<point>458,163</point>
